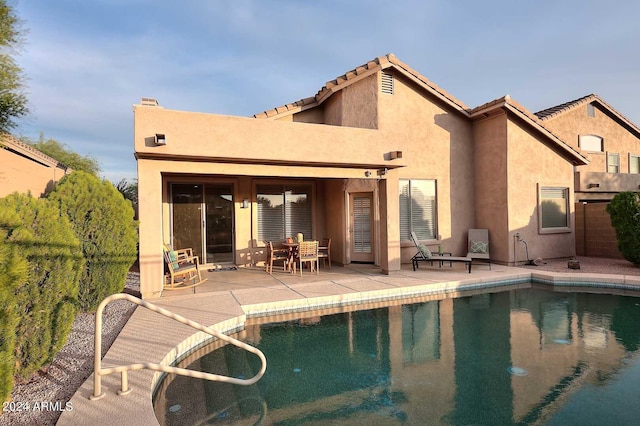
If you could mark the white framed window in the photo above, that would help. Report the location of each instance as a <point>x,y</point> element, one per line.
<point>613,162</point>
<point>634,163</point>
<point>284,211</point>
<point>418,209</point>
<point>553,209</point>
<point>591,143</point>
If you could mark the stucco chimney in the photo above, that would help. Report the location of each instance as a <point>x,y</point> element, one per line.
<point>149,102</point>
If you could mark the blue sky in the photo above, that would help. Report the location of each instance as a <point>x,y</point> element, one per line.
<point>88,61</point>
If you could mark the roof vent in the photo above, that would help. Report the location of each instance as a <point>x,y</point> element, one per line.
<point>149,102</point>
<point>387,83</point>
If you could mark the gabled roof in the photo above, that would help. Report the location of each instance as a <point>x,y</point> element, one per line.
<point>378,64</point>
<point>557,110</point>
<point>510,105</point>
<point>12,144</point>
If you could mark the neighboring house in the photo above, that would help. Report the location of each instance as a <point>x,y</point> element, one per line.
<point>25,169</point>
<point>377,153</point>
<point>611,142</point>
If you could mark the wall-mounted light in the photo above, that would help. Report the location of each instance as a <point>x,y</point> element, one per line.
<point>161,139</point>
<point>382,172</point>
<point>593,185</point>
<point>367,173</point>
<point>245,203</point>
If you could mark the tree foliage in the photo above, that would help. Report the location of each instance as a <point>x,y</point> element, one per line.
<point>40,268</point>
<point>66,156</point>
<point>13,101</point>
<point>624,211</point>
<point>129,190</point>
<point>104,223</point>
<point>13,267</point>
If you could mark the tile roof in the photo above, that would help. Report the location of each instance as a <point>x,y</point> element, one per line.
<point>510,104</point>
<point>13,144</point>
<point>358,73</point>
<point>558,109</point>
<point>562,108</point>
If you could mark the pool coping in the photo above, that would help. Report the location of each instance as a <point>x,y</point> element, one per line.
<point>166,342</point>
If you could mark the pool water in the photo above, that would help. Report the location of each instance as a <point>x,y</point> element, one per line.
<point>526,356</point>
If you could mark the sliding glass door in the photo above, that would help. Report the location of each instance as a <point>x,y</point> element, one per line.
<point>202,218</point>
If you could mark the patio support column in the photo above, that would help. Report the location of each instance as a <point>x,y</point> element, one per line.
<point>150,229</point>
<point>389,223</point>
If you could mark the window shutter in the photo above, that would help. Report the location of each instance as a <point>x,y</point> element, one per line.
<point>284,211</point>
<point>554,205</point>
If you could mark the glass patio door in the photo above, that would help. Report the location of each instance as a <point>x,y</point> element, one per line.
<point>202,218</point>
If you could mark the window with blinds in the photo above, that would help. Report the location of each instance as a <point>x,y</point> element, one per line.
<point>634,163</point>
<point>418,211</point>
<point>284,211</point>
<point>554,205</point>
<point>613,162</point>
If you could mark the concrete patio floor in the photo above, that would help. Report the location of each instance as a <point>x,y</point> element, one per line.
<point>229,297</point>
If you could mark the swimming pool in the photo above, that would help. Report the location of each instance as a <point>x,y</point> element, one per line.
<point>525,356</point>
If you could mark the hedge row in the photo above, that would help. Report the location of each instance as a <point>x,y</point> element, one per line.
<point>58,254</point>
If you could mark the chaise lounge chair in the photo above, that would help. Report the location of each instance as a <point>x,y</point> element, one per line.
<point>424,255</point>
<point>479,245</point>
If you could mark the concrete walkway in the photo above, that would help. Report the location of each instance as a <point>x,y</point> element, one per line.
<point>230,296</point>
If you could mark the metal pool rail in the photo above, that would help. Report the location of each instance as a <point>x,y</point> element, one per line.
<point>124,369</point>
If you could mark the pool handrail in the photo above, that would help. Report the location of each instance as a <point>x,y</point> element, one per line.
<point>124,385</point>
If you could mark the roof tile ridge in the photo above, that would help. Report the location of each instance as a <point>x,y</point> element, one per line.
<point>397,62</point>
<point>328,86</point>
<point>521,108</point>
<point>563,107</point>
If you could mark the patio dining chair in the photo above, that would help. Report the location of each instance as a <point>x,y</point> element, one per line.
<point>276,254</point>
<point>324,251</point>
<point>308,252</point>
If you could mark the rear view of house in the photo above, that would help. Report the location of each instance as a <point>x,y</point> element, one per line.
<point>376,154</point>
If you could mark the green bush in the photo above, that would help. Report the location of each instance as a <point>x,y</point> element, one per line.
<point>13,268</point>
<point>103,222</point>
<point>624,211</point>
<point>45,296</point>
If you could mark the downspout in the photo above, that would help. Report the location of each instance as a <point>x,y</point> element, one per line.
<point>584,227</point>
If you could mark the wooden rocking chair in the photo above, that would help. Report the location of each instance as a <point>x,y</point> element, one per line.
<point>184,269</point>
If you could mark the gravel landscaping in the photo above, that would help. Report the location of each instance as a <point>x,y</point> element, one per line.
<point>55,385</point>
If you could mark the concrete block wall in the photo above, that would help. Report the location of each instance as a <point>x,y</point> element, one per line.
<point>595,236</point>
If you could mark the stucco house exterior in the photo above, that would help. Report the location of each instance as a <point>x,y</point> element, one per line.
<point>377,153</point>
<point>611,142</point>
<point>25,169</point>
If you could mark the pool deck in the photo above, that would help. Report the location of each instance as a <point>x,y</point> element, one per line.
<point>229,297</point>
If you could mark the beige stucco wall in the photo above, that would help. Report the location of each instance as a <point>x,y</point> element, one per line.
<point>617,139</point>
<point>23,174</point>
<point>511,162</point>
<point>491,182</point>
<point>437,144</point>
<point>532,163</point>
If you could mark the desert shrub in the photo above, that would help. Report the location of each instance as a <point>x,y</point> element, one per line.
<point>104,223</point>
<point>13,268</point>
<point>624,211</point>
<point>45,296</point>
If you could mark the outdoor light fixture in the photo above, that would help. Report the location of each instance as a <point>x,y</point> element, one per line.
<point>245,203</point>
<point>593,185</point>
<point>382,172</point>
<point>161,139</point>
